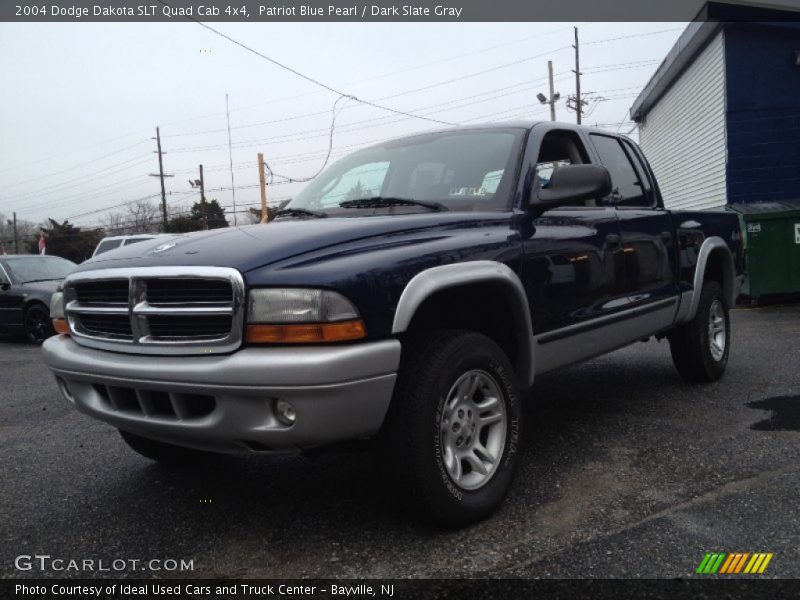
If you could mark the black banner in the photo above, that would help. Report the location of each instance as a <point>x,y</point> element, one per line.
<point>392,10</point>
<point>398,589</point>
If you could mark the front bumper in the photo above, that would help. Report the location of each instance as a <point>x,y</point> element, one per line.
<point>226,403</point>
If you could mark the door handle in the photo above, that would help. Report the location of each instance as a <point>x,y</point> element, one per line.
<point>666,236</point>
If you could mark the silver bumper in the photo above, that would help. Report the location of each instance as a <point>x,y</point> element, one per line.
<point>226,403</point>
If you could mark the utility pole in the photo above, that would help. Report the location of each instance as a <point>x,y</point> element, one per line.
<point>554,96</point>
<point>578,101</point>
<point>552,93</point>
<point>263,184</point>
<point>16,239</point>
<point>203,199</point>
<point>161,176</point>
<point>230,158</point>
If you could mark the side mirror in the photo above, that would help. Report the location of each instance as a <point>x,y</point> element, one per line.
<point>572,184</point>
<point>5,286</point>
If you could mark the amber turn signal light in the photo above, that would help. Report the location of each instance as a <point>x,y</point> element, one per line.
<point>306,334</point>
<point>60,325</point>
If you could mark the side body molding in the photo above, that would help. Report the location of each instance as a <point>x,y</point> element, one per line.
<point>691,300</point>
<point>435,279</point>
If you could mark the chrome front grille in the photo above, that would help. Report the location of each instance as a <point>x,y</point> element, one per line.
<point>112,291</point>
<point>110,326</point>
<point>157,310</point>
<point>168,292</point>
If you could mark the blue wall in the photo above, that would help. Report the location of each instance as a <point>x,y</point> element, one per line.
<point>763,112</point>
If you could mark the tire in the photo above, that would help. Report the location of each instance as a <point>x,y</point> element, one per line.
<point>37,324</point>
<point>166,454</point>
<point>430,422</point>
<point>700,347</point>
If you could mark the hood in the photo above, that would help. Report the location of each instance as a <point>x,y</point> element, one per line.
<point>42,286</point>
<point>250,247</point>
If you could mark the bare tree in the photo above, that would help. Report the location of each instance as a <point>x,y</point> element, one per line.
<point>176,210</point>
<point>26,230</point>
<point>139,216</point>
<point>144,216</point>
<point>114,224</point>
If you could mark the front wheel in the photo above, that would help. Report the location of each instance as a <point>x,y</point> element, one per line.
<point>700,347</point>
<point>454,427</point>
<point>38,326</point>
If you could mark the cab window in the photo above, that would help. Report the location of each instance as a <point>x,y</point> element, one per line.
<point>627,188</point>
<point>559,149</point>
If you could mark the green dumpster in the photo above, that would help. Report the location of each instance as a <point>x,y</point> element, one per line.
<point>772,247</point>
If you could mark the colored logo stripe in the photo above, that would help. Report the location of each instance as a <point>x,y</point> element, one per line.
<point>711,563</point>
<point>734,563</point>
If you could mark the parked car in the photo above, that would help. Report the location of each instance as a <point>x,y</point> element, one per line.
<point>27,283</point>
<point>410,294</point>
<point>116,241</point>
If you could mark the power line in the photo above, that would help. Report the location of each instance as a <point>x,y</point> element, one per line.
<point>59,187</point>
<point>293,136</point>
<point>94,212</point>
<point>76,181</point>
<point>634,35</point>
<point>139,143</point>
<point>97,192</point>
<point>301,135</point>
<point>330,147</point>
<point>424,65</point>
<point>383,75</point>
<point>480,50</point>
<point>303,75</point>
<point>447,104</point>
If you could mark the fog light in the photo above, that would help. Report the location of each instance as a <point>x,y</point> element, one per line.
<point>285,412</point>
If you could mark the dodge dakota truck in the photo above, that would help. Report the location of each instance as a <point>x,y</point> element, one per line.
<point>408,297</point>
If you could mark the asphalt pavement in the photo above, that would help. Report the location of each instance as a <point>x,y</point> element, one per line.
<point>625,471</point>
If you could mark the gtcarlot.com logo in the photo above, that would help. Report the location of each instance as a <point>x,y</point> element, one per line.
<point>734,563</point>
<point>46,562</point>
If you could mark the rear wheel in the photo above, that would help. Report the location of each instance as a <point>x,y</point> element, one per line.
<point>453,431</point>
<point>166,454</point>
<point>700,347</point>
<point>38,326</point>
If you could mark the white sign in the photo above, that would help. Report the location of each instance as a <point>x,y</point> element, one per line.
<point>753,227</point>
<point>797,233</point>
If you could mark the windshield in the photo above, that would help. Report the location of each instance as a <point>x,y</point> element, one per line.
<point>458,171</point>
<point>38,268</point>
<point>107,245</point>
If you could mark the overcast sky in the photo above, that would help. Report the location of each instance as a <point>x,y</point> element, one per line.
<point>80,102</point>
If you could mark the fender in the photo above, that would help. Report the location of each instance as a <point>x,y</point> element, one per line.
<point>435,279</point>
<point>691,300</point>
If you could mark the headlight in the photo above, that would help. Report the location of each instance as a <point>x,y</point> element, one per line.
<point>291,316</point>
<point>57,305</point>
<point>57,313</point>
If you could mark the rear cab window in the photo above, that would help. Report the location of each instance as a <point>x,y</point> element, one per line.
<point>628,185</point>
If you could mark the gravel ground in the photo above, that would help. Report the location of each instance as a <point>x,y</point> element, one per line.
<point>625,471</point>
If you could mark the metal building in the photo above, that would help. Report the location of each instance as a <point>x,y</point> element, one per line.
<point>720,119</point>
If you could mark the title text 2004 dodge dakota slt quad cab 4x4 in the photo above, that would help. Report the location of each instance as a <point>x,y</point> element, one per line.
<point>409,294</point>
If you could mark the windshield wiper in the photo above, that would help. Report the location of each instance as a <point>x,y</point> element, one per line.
<point>300,212</point>
<point>384,201</point>
<point>37,280</point>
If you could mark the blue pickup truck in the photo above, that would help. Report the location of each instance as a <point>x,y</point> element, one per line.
<point>410,295</point>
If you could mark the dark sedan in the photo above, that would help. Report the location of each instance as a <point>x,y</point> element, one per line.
<point>26,284</point>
